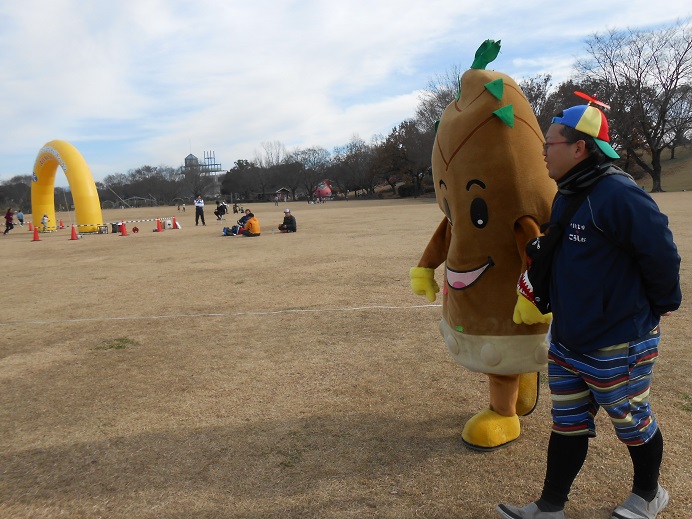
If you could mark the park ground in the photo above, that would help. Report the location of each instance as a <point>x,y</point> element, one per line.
<point>184,374</point>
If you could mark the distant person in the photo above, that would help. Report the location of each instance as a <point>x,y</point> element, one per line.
<point>235,208</point>
<point>199,210</point>
<point>221,210</point>
<point>9,221</point>
<point>243,219</point>
<point>44,222</point>
<point>289,224</point>
<point>276,200</point>
<point>20,218</point>
<point>252,226</point>
<point>218,212</point>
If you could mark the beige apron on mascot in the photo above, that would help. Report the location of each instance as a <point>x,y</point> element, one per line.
<point>492,185</point>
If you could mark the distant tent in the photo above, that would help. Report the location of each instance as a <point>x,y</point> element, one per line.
<point>138,201</point>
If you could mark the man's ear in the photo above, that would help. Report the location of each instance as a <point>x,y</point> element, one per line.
<point>580,151</point>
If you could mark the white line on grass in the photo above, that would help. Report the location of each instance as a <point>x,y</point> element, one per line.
<point>237,314</point>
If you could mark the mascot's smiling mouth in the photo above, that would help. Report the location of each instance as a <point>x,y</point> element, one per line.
<point>459,280</point>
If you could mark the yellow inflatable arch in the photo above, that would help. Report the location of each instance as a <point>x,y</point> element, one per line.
<point>87,206</point>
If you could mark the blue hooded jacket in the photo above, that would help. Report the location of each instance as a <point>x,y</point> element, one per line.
<point>616,270</point>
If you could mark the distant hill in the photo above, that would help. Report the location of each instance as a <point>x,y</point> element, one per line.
<point>677,173</point>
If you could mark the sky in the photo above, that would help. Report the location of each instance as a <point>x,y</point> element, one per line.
<point>146,82</point>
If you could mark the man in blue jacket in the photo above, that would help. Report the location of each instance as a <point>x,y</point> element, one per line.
<point>615,273</point>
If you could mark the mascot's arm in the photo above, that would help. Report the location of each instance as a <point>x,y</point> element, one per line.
<point>525,312</point>
<point>423,276</point>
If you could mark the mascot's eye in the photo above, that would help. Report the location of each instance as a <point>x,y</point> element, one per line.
<point>479,213</point>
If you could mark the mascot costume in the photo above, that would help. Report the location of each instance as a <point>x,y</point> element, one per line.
<point>492,185</point>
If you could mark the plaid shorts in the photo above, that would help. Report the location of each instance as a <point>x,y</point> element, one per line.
<point>617,378</point>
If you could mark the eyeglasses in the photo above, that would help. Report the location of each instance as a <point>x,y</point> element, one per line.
<point>547,145</point>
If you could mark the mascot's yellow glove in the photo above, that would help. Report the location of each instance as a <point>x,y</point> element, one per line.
<point>525,312</point>
<point>423,282</point>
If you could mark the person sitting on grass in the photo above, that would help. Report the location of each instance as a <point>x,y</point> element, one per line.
<point>243,219</point>
<point>289,224</point>
<point>252,226</point>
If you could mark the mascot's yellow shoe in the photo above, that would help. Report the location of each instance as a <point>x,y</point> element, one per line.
<point>529,385</point>
<point>488,430</point>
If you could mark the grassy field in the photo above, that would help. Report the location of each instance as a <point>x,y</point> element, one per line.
<point>677,172</point>
<point>184,374</point>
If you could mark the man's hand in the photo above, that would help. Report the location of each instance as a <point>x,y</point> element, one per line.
<point>525,312</point>
<point>423,282</point>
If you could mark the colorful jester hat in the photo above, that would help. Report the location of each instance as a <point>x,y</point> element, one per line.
<point>591,121</point>
<point>489,174</point>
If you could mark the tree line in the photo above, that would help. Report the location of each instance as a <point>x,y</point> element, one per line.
<point>644,75</point>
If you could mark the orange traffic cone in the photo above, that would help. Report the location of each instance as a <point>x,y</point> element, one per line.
<point>36,238</point>
<point>159,228</point>
<point>175,223</point>
<point>31,227</point>
<point>61,224</point>
<point>74,233</point>
<point>123,229</point>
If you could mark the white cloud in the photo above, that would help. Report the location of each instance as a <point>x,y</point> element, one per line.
<point>139,82</point>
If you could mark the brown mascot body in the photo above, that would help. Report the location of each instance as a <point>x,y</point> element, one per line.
<point>491,183</point>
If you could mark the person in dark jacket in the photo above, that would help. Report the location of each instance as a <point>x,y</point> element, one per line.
<point>221,210</point>
<point>9,221</point>
<point>243,219</point>
<point>289,224</point>
<point>615,274</point>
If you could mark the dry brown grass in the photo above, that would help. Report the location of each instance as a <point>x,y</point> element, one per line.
<point>676,173</point>
<point>185,374</point>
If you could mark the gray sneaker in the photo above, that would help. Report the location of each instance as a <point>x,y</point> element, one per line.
<point>530,511</point>
<point>634,507</point>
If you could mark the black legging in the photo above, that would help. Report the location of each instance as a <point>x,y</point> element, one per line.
<point>566,455</point>
<point>199,213</point>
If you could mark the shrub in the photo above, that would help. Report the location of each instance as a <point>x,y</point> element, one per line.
<point>406,190</point>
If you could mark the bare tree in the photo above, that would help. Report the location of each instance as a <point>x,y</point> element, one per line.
<point>239,182</point>
<point>356,157</point>
<point>16,191</point>
<point>536,89</point>
<point>404,154</point>
<point>166,184</point>
<point>432,101</point>
<point>274,154</point>
<point>314,163</point>
<point>194,181</point>
<point>290,175</point>
<point>651,67</point>
<point>680,119</point>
